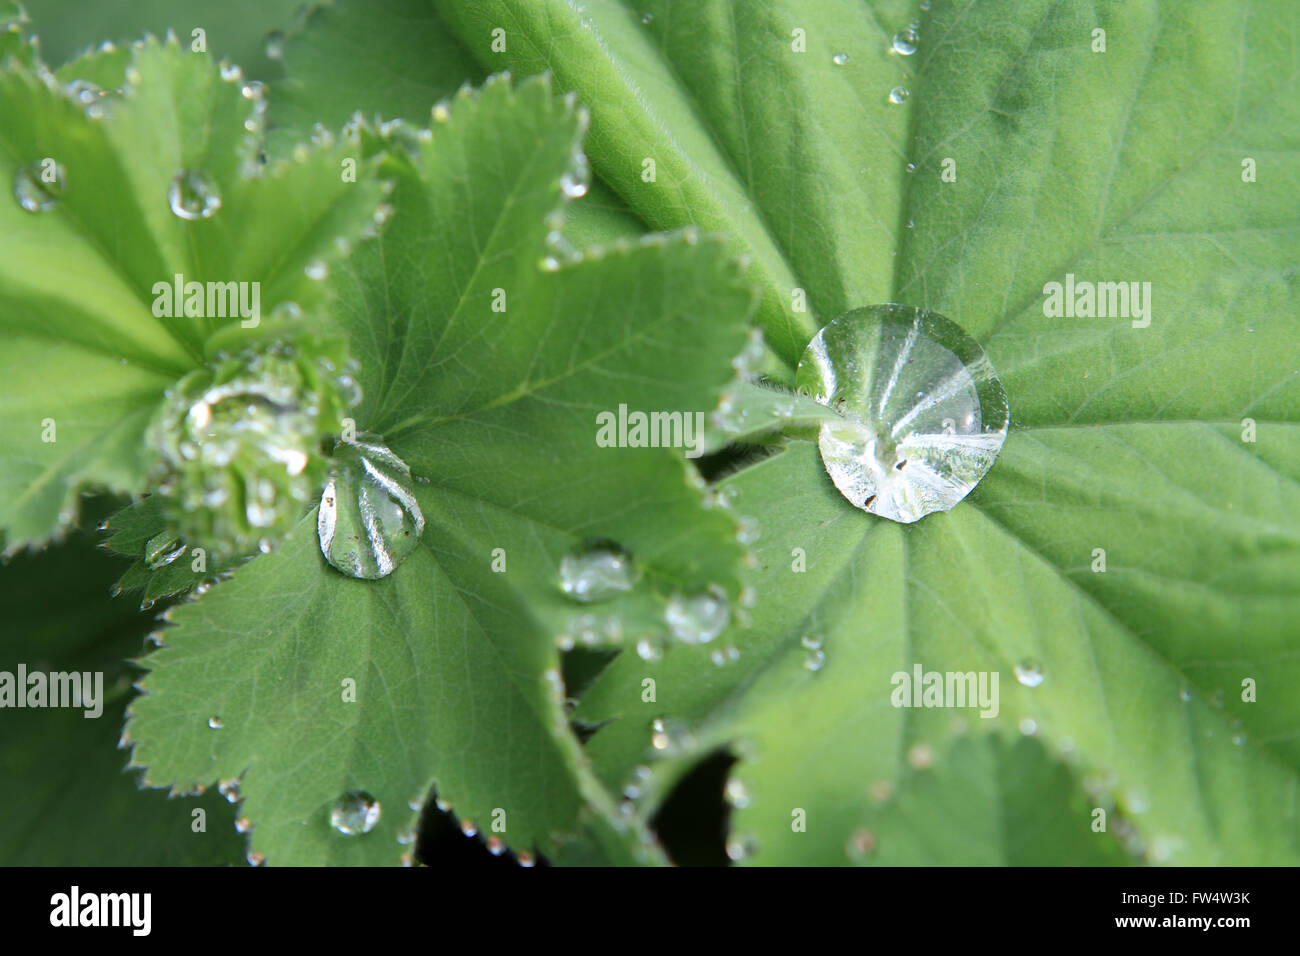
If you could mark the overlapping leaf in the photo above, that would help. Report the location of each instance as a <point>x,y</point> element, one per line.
<point>86,355</point>
<point>1123,165</point>
<point>453,656</point>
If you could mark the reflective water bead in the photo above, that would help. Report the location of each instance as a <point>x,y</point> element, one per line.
<point>698,617</point>
<point>923,412</point>
<point>39,185</point>
<point>193,195</point>
<point>354,813</point>
<point>369,519</point>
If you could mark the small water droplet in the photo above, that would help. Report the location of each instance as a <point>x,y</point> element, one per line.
<point>253,90</point>
<point>598,570</point>
<point>650,649</point>
<point>814,661</point>
<point>216,723</point>
<point>317,269</point>
<point>647,17</point>
<point>369,519</point>
<point>1029,673</point>
<point>38,186</point>
<point>737,794</point>
<point>910,167</point>
<point>229,789</point>
<point>1185,695</point>
<point>274,45</point>
<point>741,846</point>
<point>905,42</point>
<point>898,94</point>
<point>1029,726</point>
<point>354,813</point>
<point>193,195</point>
<point>812,642</point>
<point>839,59</point>
<point>575,181</point>
<point>161,550</point>
<point>893,454</point>
<point>700,616</point>
<point>244,825</point>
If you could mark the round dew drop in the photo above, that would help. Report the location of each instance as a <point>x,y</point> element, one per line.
<point>193,195</point>
<point>922,413</point>
<point>839,59</point>
<point>899,94</point>
<point>698,617</point>
<point>905,42</point>
<point>38,186</point>
<point>354,813</point>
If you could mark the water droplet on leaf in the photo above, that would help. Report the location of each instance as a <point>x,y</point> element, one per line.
<point>38,186</point>
<point>161,550</point>
<point>1029,673</point>
<point>905,42</point>
<point>598,570</point>
<point>698,617</point>
<point>369,520</point>
<point>839,59</point>
<point>193,195</point>
<point>356,812</point>
<point>575,181</point>
<point>924,414</point>
<point>899,94</point>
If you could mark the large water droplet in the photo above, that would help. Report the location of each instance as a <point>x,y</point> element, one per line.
<point>599,570</point>
<point>38,186</point>
<point>924,414</point>
<point>161,550</point>
<point>699,617</point>
<point>369,519</point>
<point>193,195</point>
<point>356,812</point>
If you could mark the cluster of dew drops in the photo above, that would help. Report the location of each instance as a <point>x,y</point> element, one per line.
<point>905,43</point>
<point>192,194</point>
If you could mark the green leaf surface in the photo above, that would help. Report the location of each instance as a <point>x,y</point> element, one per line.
<point>68,799</point>
<point>455,663</point>
<point>1131,432</point>
<point>87,355</point>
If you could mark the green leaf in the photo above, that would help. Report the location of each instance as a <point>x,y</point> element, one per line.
<point>86,357</point>
<point>67,799</point>
<point>1125,166</point>
<point>455,663</point>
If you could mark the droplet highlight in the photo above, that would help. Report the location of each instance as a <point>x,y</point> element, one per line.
<point>899,94</point>
<point>923,412</point>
